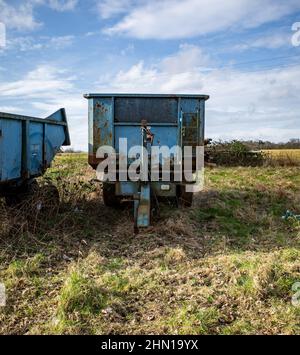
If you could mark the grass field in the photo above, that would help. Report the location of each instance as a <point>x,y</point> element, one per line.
<point>226,266</point>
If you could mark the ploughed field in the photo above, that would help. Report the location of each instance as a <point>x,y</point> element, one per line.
<point>225,266</point>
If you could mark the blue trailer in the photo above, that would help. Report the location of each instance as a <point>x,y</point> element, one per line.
<point>148,120</point>
<point>27,148</point>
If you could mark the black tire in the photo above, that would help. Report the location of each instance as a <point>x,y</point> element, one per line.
<point>12,200</point>
<point>21,194</point>
<point>185,198</point>
<point>47,195</point>
<point>109,196</point>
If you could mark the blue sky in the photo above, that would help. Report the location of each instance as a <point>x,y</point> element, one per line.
<point>240,52</point>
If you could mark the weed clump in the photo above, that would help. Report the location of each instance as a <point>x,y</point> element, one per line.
<point>233,153</point>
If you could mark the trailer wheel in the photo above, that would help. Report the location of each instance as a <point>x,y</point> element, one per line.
<point>185,198</point>
<point>19,195</point>
<point>12,200</point>
<point>109,196</point>
<point>45,196</point>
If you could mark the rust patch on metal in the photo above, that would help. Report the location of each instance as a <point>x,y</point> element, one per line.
<point>101,107</point>
<point>97,135</point>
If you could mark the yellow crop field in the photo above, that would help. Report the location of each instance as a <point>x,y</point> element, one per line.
<point>284,154</point>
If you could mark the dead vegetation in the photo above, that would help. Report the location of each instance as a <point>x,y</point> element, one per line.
<point>226,266</point>
<point>282,157</point>
<point>238,153</point>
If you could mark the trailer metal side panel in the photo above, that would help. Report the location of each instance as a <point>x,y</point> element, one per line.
<point>103,121</point>
<point>54,139</point>
<point>11,149</point>
<point>36,147</point>
<point>29,144</point>
<point>163,136</point>
<point>114,116</point>
<point>146,121</point>
<point>151,109</point>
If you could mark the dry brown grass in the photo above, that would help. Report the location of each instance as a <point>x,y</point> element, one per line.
<point>226,266</point>
<point>282,157</point>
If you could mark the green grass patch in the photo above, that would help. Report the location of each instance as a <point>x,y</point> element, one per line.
<point>225,266</point>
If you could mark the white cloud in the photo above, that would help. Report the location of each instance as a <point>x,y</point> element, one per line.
<point>111,8</point>
<point>62,5</point>
<point>169,19</point>
<point>257,105</point>
<point>21,16</point>
<point>190,55</point>
<point>28,43</point>
<point>273,41</point>
<point>11,109</point>
<point>44,90</point>
<point>261,105</point>
<point>18,17</point>
<point>60,42</point>
<point>44,81</point>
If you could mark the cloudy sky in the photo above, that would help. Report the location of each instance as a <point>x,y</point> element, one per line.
<point>240,52</point>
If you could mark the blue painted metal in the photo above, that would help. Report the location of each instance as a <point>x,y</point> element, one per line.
<point>163,135</point>
<point>28,146</point>
<point>142,204</point>
<point>142,207</point>
<point>173,120</point>
<point>126,188</point>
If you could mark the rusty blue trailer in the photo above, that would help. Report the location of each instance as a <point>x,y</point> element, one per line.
<point>147,120</point>
<point>27,148</point>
